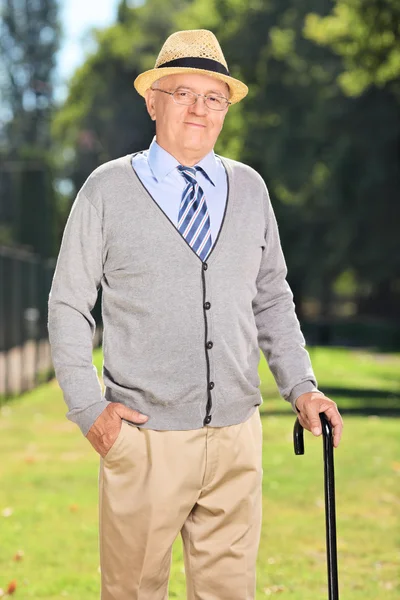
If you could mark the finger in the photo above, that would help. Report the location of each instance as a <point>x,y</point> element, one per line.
<point>314,421</point>
<point>303,421</point>
<point>129,414</point>
<point>337,424</point>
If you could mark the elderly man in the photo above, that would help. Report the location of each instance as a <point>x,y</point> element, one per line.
<point>185,246</point>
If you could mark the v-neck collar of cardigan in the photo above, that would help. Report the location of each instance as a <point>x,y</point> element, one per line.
<point>161,162</point>
<point>167,221</point>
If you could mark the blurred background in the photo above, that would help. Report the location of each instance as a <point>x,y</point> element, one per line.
<point>321,124</point>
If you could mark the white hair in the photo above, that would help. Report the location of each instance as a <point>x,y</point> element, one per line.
<point>156,83</point>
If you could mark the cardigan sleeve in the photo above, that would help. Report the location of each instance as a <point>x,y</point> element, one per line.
<point>71,326</point>
<point>279,334</point>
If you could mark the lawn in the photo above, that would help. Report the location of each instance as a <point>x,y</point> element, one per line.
<point>49,477</point>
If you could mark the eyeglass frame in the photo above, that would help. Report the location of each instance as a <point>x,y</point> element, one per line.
<point>193,103</point>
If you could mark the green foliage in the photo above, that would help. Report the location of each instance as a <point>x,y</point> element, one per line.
<point>29,40</point>
<point>103,116</point>
<point>346,284</point>
<point>367,35</point>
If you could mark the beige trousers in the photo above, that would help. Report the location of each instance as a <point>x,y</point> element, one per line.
<point>203,483</point>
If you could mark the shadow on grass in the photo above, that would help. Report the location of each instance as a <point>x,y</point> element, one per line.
<point>359,412</point>
<point>362,393</point>
<point>351,401</point>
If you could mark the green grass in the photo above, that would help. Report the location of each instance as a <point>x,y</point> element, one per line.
<point>48,481</point>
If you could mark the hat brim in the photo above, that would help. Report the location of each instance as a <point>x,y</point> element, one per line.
<point>143,81</point>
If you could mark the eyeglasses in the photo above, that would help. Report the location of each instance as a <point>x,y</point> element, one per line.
<point>187,98</point>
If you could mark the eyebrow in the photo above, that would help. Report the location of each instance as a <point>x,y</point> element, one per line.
<point>187,87</point>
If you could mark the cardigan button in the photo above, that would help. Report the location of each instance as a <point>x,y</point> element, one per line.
<point>209,345</point>
<point>207,305</point>
<point>205,266</point>
<point>211,385</point>
<point>207,420</point>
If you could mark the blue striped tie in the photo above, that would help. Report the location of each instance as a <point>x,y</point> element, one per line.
<point>193,218</point>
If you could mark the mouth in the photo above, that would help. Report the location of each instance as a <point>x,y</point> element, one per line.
<point>195,125</point>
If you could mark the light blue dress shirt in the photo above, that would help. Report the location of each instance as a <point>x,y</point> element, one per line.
<point>156,168</point>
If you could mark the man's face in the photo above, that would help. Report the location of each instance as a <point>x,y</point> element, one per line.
<point>187,130</point>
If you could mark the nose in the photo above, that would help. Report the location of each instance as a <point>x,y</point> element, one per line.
<point>199,107</point>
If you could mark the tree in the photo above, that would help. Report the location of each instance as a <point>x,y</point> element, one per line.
<point>103,116</point>
<point>29,39</point>
<point>366,34</point>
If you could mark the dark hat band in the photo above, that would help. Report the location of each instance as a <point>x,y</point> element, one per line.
<point>197,62</point>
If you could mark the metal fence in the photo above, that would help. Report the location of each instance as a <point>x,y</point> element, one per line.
<point>25,281</point>
<point>25,357</point>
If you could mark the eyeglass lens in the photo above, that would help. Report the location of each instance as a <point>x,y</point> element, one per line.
<point>212,101</point>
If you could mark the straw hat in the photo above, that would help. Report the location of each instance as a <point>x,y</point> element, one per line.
<point>192,51</point>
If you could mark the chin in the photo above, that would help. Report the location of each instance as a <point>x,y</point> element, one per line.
<point>193,145</point>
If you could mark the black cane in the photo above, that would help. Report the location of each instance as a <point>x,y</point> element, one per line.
<point>330,510</point>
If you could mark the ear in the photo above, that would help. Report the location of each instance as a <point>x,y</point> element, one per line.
<point>150,103</point>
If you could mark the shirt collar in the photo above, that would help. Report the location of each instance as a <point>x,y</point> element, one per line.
<point>162,162</point>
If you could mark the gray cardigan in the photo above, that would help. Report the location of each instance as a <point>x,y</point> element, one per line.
<point>181,337</point>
